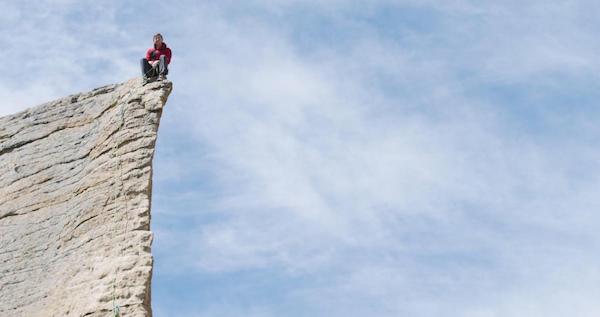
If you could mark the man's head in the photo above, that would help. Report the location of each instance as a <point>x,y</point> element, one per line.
<point>158,40</point>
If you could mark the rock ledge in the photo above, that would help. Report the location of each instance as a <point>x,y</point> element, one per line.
<point>75,192</point>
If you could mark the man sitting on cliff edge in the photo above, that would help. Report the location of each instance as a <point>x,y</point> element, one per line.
<point>156,62</point>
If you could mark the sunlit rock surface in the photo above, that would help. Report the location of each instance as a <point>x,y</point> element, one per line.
<point>75,190</point>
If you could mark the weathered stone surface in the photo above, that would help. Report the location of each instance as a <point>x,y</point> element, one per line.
<point>75,190</point>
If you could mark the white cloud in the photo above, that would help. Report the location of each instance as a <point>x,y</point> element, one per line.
<point>314,172</point>
<point>56,48</point>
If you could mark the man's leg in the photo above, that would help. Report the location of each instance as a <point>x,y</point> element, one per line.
<point>147,70</point>
<point>163,69</point>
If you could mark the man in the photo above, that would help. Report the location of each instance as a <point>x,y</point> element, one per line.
<point>157,60</point>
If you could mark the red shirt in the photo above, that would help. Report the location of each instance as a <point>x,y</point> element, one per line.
<point>154,54</point>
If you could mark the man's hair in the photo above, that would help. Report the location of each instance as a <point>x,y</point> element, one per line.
<point>157,35</point>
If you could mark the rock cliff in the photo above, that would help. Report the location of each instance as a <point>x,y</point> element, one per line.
<point>75,192</point>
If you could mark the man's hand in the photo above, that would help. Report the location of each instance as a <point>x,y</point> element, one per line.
<point>153,63</point>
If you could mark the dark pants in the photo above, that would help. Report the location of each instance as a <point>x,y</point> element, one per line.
<point>160,69</point>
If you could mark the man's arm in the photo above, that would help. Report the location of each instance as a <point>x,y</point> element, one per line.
<point>168,53</point>
<point>149,57</point>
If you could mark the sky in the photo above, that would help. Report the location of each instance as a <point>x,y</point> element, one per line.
<point>350,158</point>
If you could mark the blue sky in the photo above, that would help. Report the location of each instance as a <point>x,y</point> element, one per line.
<point>351,158</point>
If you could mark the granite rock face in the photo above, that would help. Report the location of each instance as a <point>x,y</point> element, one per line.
<point>75,192</point>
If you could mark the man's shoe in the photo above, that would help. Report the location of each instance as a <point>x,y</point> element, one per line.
<point>162,77</point>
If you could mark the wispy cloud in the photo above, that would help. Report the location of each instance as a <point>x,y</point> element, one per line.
<point>55,48</point>
<point>391,165</point>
